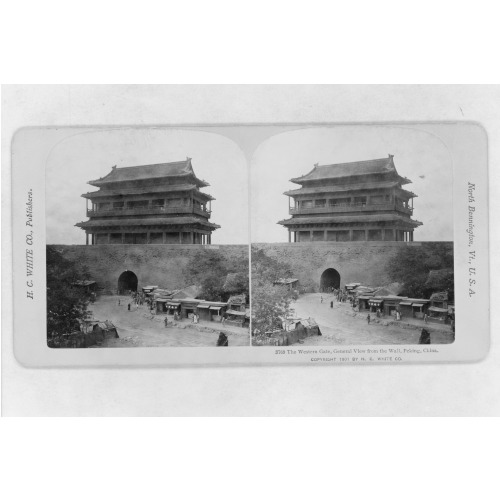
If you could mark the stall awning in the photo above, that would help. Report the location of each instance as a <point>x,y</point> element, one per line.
<point>418,304</point>
<point>236,313</point>
<point>375,302</point>
<point>215,308</point>
<point>172,303</point>
<point>405,303</point>
<point>438,309</point>
<point>203,306</point>
<point>161,300</point>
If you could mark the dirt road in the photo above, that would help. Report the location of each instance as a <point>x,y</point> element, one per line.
<point>138,328</point>
<point>340,325</point>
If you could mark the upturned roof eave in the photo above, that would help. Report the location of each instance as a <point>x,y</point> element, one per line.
<point>347,219</point>
<point>171,221</point>
<point>104,193</point>
<point>104,181</point>
<point>384,162</point>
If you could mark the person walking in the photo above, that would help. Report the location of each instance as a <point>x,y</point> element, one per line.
<point>425,317</point>
<point>166,321</point>
<point>425,337</point>
<point>222,341</point>
<point>368,318</point>
<point>128,305</point>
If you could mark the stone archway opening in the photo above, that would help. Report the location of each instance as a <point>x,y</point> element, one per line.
<point>127,282</point>
<point>329,279</point>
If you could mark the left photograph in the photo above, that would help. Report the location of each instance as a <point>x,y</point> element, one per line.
<point>147,240</point>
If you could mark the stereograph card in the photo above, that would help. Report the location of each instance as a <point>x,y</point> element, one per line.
<point>315,243</point>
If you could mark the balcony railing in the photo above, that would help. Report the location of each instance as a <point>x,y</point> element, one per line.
<point>158,210</point>
<point>351,207</point>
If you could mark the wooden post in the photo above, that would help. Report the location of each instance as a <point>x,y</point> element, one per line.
<point>109,238</point>
<point>289,236</point>
<point>180,236</point>
<point>123,238</point>
<point>164,237</point>
<point>350,234</point>
<point>86,238</point>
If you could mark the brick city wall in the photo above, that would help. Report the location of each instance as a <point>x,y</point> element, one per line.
<point>363,262</point>
<point>161,265</point>
<point>164,265</point>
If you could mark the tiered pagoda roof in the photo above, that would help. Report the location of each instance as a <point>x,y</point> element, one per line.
<point>352,169</point>
<point>180,169</point>
<point>147,221</point>
<point>160,197</point>
<point>352,197</point>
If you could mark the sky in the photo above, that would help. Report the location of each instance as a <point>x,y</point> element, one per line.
<point>419,155</point>
<point>91,154</point>
<point>274,154</point>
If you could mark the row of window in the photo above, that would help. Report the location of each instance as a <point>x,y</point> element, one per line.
<point>339,202</point>
<point>357,235</point>
<point>158,203</point>
<point>142,238</point>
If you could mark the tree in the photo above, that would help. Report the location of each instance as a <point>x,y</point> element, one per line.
<point>219,277</point>
<point>267,269</point>
<point>270,304</point>
<point>412,264</point>
<point>66,304</point>
<point>236,283</point>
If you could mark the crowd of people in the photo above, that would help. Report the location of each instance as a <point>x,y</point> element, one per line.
<point>343,296</point>
<point>137,299</point>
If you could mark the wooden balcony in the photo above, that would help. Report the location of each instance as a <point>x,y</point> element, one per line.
<point>351,207</point>
<point>148,211</point>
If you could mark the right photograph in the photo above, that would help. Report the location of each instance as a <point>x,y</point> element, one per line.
<point>352,237</point>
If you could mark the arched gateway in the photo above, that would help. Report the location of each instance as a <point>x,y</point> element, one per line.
<point>329,279</point>
<point>127,282</point>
